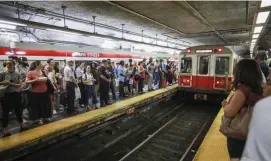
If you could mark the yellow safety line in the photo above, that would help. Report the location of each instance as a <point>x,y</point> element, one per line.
<point>56,127</point>
<point>214,145</point>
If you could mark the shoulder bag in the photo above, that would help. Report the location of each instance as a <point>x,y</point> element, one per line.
<point>237,127</point>
<point>50,87</point>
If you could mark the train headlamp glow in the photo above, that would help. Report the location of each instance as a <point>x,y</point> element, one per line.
<point>185,80</point>
<point>222,82</point>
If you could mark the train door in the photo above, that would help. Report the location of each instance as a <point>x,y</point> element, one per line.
<point>186,69</point>
<point>222,77</point>
<point>202,78</point>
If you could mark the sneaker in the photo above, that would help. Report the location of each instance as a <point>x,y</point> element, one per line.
<point>6,135</point>
<point>88,109</point>
<point>54,112</point>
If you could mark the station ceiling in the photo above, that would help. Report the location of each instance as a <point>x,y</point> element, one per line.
<point>184,23</point>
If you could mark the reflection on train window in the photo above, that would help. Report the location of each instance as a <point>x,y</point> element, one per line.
<point>222,65</point>
<point>186,65</point>
<point>203,65</point>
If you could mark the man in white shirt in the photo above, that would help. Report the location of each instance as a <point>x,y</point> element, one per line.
<point>258,144</point>
<point>70,85</point>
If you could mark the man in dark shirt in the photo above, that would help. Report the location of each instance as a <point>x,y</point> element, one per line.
<point>260,58</point>
<point>112,76</point>
<point>105,81</point>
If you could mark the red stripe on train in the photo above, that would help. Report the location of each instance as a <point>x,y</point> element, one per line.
<point>53,53</point>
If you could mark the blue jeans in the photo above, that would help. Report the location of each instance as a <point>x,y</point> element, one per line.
<point>90,92</point>
<point>156,78</point>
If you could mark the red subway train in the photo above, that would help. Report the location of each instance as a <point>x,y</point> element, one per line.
<point>206,72</point>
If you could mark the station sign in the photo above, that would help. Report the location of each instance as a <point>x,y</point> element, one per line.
<point>80,54</point>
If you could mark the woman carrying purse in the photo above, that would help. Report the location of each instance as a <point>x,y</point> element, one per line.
<point>248,90</point>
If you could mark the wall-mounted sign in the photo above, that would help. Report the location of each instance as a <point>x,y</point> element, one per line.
<point>204,51</point>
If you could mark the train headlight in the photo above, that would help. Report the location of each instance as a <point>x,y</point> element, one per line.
<point>186,80</point>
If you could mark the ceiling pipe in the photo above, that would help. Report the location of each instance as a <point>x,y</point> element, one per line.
<point>71,18</point>
<point>247,11</point>
<point>39,40</point>
<point>143,16</point>
<point>43,26</point>
<point>217,33</point>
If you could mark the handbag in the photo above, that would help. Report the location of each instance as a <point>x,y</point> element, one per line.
<point>50,87</point>
<point>237,127</point>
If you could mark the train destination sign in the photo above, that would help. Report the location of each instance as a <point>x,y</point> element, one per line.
<point>80,54</point>
<point>204,51</point>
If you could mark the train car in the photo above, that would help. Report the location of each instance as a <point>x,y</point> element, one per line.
<point>42,52</point>
<point>206,72</point>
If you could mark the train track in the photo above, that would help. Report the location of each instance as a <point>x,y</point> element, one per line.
<point>173,140</point>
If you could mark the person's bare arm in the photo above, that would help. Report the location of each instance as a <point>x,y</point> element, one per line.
<point>236,103</point>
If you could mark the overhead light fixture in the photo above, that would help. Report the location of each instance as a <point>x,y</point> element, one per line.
<point>7,26</point>
<point>12,23</point>
<point>255,36</point>
<point>65,32</point>
<point>258,29</point>
<point>265,3</point>
<point>262,17</point>
<point>254,40</point>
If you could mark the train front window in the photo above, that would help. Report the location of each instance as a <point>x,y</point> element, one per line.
<point>186,65</point>
<point>203,65</point>
<point>222,65</point>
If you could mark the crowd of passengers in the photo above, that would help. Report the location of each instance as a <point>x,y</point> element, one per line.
<point>36,87</point>
<point>252,86</point>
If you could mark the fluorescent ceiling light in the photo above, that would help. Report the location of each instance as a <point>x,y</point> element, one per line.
<point>258,29</point>
<point>265,3</point>
<point>255,36</point>
<point>65,32</point>
<point>7,26</point>
<point>12,23</point>
<point>262,17</point>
